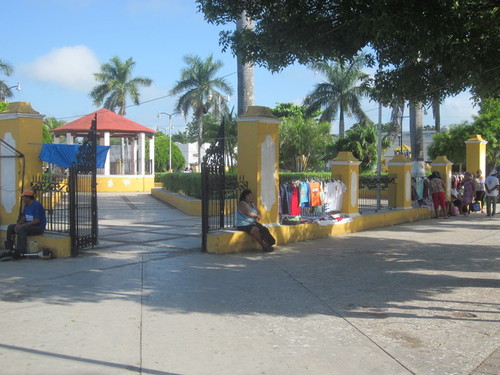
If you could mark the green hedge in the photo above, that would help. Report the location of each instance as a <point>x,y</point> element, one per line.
<point>190,183</point>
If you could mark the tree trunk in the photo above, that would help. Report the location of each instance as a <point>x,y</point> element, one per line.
<point>341,122</point>
<point>437,115</point>
<point>417,138</point>
<point>199,119</point>
<point>245,72</point>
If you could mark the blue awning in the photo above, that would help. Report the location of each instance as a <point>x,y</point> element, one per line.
<point>64,155</point>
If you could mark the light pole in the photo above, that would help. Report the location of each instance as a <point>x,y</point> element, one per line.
<point>6,90</point>
<point>169,136</point>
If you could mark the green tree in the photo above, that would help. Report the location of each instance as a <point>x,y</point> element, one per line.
<point>50,123</point>
<point>340,93</point>
<point>301,136</point>
<point>450,143</point>
<point>361,140</point>
<point>5,91</point>
<point>201,90</point>
<point>418,48</point>
<point>116,84</point>
<point>162,145</point>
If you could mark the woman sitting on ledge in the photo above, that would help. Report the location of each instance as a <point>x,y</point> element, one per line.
<point>247,216</point>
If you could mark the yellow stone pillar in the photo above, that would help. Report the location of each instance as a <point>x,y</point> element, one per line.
<point>346,166</point>
<point>442,165</point>
<point>258,149</point>
<point>21,127</point>
<point>400,167</point>
<point>475,154</point>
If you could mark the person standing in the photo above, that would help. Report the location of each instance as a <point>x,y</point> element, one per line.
<point>469,192</point>
<point>480,190</point>
<point>31,222</point>
<point>437,191</point>
<point>491,185</point>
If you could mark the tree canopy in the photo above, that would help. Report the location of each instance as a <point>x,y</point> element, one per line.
<point>162,145</point>
<point>361,140</point>
<point>301,136</point>
<point>421,50</point>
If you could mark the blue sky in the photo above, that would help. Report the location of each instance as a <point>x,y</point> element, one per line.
<point>55,46</point>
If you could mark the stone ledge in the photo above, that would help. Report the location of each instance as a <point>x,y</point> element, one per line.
<point>59,243</point>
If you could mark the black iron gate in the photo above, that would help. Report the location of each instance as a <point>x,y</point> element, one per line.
<point>219,192</point>
<point>83,194</point>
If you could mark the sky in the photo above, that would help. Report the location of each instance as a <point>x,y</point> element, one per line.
<point>55,47</point>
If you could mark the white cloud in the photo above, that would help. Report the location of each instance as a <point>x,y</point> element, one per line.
<point>72,67</point>
<point>457,109</point>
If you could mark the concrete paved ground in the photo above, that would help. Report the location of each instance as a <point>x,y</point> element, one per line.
<point>419,298</point>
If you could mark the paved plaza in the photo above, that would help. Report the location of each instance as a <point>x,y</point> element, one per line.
<point>418,298</point>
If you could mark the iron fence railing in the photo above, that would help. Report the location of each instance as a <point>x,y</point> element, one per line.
<point>53,193</point>
<point>374,193</point>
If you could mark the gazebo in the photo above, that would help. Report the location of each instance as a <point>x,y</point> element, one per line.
<point>126,168</point>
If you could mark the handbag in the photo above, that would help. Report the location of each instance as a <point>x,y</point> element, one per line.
<point>476,207</point>
<point>266,235</point>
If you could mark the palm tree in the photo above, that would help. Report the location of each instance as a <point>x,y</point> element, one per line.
<point>7,69</point>
<point>50,123</point>
<point>117,84</point>
<point>245,70</point>
<point>198,88</point>
<point>340,93</point>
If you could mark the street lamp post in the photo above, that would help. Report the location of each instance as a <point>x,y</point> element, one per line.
<point>169,136</point>
<point>4,92</point>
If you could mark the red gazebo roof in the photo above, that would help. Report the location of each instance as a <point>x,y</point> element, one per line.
<point>107,121</point>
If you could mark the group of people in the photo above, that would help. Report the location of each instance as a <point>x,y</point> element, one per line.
<point>466,192</point>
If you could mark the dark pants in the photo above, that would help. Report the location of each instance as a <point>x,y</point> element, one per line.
<point>22,236</point>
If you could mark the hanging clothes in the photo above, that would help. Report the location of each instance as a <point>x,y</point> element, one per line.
<point>294,201</point>
<point>315,194</point>
<point>334,192</point>
<point>304,194</point>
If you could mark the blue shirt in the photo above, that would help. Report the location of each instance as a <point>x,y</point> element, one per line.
<point>35,211</point>
<point>243,220</point>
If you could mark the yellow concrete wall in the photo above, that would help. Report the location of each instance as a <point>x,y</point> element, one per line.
<point>60,244</point>
<point>116,184</point>
<point>188,205</point>
<point>21,127</point>
<point>231,241</point>
<point>475,152</point>
<point>258,155</point>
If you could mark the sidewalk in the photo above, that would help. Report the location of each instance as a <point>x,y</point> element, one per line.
<point>420,298</point>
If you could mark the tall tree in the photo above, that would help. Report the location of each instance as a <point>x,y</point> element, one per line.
<point>245,70</point>
<point>340,93</point>
<point>201,91</point>
<point>5,91</point>
<point>436,113</point>
<point>116,84</point>
<point>417,138</point>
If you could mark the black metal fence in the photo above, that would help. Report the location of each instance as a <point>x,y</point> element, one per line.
<point>374,193</point>
<point>53,193</point>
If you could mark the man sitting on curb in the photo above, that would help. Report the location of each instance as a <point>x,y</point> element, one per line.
<point>31,222</point>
